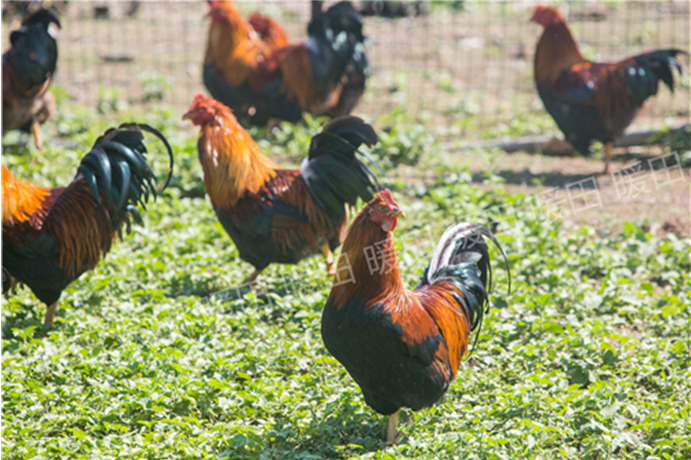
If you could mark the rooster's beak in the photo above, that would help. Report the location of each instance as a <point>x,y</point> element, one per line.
<point>187,116</point>
<point>397,213</point>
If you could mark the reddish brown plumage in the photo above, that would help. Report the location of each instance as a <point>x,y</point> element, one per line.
<point>556,50</point>
<point>403,347</point>
<point>270,213</point>
<point>422,313</point>
<point>236,170</point>
<point>52,235</point>
<point>69,214</point>
<point>593,100</point>
<point>237,52</point>
<point>251,67</point>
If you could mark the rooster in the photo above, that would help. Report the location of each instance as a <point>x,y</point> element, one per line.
<point>27,71</point>
<point>591,100</point>
<point>277,215</point>
<point>50,236</point>
<point>262,77</point>
<point>403,347</point>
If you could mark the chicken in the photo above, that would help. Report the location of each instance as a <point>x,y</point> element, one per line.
<point>252,69</point>
<point>403,347</point>
<point>269,30</point>
<point>591,100</point>
<point>27,71</point>
<point>50,236</point>
<point>276,215</point>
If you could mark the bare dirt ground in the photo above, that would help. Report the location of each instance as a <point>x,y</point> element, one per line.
<point>469,69</point>
<point>660,199</point>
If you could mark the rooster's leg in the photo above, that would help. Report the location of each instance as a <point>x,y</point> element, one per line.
<point>392,434</point>
<point>608,155</point>
<point>329,259</point>
<point>50,315</point>
<point>36,134</point>
<point>13,286</point>
<point>253,276</point>
<point>11,283</point>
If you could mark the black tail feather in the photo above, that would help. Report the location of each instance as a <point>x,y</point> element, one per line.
<point>658,63</point>
<point>42,16</point>
<point>117,169</point>
<point>462,257</point>
<point>332,171</point>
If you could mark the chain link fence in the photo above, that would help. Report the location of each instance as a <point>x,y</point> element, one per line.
<point>464,67</point>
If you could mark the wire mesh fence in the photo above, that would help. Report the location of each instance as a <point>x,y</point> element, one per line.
<point>465,66</point>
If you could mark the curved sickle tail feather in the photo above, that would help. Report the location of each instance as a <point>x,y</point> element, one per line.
<point>116,169</point>
<point>161,137</point>
<point>462,257</point>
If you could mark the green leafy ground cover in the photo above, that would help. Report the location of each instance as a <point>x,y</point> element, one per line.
<point>155,355</point>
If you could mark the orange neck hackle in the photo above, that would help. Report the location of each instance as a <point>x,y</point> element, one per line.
<point>232,162</point>
<point>230,46</point>
<point>21,201</point>
<point>224,12</point>
<point>369,250</point>
<point>556,49</point>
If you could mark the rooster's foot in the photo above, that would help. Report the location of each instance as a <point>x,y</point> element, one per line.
<point>329,259</point>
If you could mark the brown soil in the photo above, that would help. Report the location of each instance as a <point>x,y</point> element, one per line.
<point>660,200</point>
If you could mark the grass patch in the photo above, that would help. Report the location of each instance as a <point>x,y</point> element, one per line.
<point>587,358</point>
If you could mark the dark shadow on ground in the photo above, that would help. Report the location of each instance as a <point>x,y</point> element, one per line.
<point>560,179</point>
<point>547,179</point>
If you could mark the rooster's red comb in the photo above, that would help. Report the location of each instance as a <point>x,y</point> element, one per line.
<point>198,99</point>
<point>386,196</point>
<point>545,15</point>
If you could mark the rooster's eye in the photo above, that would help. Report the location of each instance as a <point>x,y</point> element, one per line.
<point>382,208</point>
